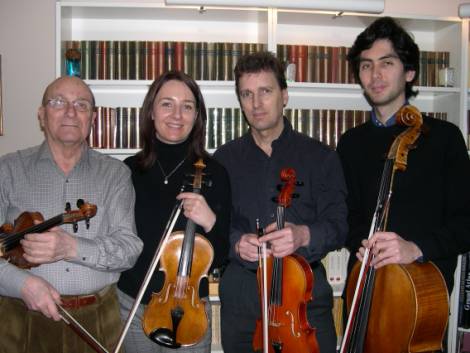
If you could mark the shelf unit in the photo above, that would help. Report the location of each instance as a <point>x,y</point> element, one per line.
<point>152,20</point>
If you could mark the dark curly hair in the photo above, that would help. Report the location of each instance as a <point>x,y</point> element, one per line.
<point>402,43</point>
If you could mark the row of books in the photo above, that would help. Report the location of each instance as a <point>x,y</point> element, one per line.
<point>120,127</point>
<point>325,125</point>
<point>326,64</point>
<point>146,60</point>
<point>464,292</point>
<point>116,128</point>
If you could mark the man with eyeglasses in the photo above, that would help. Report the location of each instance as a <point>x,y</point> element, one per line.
<point>76,270</point>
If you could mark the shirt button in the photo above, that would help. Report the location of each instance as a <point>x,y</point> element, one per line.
<point>67,270</point>
<point>272,215</point>
<point>84,258</point>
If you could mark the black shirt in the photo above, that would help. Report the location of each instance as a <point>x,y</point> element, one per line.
<point>430,204</point>
<point>154,203</point>
<point>321,205</point>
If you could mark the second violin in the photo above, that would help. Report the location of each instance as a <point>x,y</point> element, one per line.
<point>176,315</point>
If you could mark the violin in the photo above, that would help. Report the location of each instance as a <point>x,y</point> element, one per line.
<point>396,308</point>
<point>33,222</point>
<point>176,315</point>
<point>289,282</point>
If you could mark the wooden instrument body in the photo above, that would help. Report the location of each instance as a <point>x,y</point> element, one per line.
<point>194,322</point>
<point>24,221</point>
<point>409,310</point>
<point>288,323</point>
<point>33,222</point>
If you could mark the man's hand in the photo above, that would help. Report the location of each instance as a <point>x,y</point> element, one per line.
<point>47,247</point>
<point>247,247</point>
<point>39,295</point>
<point>287,240</point>
<point>389,248</point>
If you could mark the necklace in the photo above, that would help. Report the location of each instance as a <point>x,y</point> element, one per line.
<point>167,176</point>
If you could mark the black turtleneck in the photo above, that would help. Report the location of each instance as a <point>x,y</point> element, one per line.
<point>155,201</point>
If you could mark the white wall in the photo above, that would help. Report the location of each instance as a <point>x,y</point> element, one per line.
<point>27,36</point>
<point>27,33</point>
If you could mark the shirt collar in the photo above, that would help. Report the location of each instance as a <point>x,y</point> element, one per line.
<point>286,131</point>
<point>46,154</point>
<point>390,122</point>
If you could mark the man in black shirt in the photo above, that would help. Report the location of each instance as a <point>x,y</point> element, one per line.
<point>315,222</point>
<point>429,216</point>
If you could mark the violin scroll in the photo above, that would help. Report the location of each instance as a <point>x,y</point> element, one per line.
<point>409,116</point>
<point>85,212</point>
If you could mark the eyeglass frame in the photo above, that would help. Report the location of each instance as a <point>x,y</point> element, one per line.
<point>74,103</point>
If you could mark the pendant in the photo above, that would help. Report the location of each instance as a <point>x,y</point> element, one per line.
<point>165,181</point>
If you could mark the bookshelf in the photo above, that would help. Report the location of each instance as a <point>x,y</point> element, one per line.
<point>455,331</point>
<point>144,20</point>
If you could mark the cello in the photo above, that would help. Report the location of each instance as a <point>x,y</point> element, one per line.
<point>176,315</point>
<point>396,308</point>
<point>289,283</point>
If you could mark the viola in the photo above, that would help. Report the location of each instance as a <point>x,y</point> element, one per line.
<point>289,283</point>
<point>33,222</point>
<point>396,308</point>
<point>176,315</point>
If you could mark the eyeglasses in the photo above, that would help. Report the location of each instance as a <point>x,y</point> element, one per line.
<point>59,103</point>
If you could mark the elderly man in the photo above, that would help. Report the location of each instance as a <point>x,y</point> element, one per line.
<point>77,270</point>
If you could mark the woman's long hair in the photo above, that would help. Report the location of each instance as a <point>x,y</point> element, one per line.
<point>148,155</point>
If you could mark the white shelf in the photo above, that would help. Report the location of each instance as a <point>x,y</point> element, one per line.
<point>151,20</point>
<point>221,94</point>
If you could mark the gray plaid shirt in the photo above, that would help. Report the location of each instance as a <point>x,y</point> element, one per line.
<point>31,181</point>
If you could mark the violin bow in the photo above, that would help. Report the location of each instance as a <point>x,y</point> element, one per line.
<point>81,331</point>
<point>148,276</point>
<point>264,286</point>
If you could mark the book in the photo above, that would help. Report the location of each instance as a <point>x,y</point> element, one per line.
<point>464,305</point>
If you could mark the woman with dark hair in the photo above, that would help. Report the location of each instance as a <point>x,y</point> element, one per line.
<point>173,131</point>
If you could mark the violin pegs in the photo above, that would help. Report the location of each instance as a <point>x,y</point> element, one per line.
<point>87,223</point>
<point>75,227</point>
<point>80,203</point>
<point>68,208</point>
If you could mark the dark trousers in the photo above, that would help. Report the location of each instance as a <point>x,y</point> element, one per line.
<point>240,309</point>
<point>26,331</point>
